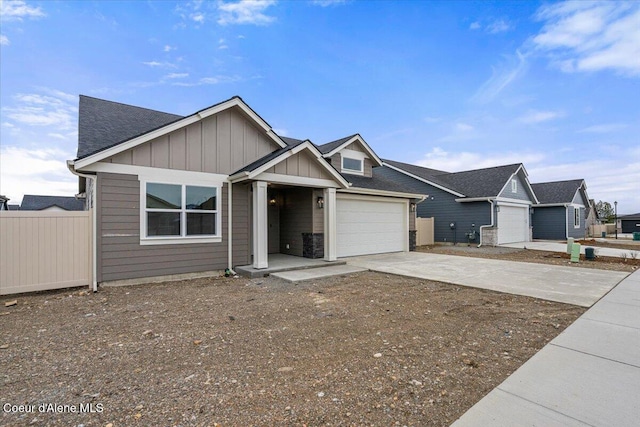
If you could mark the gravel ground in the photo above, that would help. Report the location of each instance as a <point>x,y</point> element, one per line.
<point>535,256</point>
<point>359,350</point>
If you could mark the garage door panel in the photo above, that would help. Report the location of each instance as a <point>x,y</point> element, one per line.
<point>513,224</point>
<point>366,226</point>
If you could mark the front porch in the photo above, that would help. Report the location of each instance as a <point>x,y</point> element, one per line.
<point>283,262</point>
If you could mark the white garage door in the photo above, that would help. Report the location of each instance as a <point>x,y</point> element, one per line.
<point>370,226</point>
<point>513,224</point>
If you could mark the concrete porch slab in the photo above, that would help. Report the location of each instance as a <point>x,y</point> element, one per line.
<point>282,262</point>
<point>317,273</point>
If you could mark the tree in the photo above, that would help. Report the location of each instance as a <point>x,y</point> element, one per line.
<point>605,211</point>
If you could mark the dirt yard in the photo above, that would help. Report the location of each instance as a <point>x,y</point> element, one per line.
<point>540,257</point>
<point>362,350</point>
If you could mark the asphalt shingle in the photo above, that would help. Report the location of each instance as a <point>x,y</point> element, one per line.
<point>557,191</point>
<point>32,202</point>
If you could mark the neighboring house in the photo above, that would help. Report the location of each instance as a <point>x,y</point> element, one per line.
<point>629,223</point>
<point>14,207</point>
<point>592,217</point>
<point>561,211</point>
<point>32,202</point>
<point>489,206</point>
<point>219,188</point>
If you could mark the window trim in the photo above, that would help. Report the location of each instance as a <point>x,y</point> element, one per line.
<point>514,185</point>
<point>183,238</point>
<point>352,155</point>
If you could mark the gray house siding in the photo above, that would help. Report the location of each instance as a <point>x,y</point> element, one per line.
<point>120,255</point>
<point>550,223</point>
<point>520,194</point>
<point>571,230</point>
<point>442,206</point>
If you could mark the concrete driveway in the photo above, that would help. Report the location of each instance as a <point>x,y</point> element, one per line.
<point>578,286</point>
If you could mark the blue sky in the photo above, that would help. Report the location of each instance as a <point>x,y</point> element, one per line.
<point>448,85</point>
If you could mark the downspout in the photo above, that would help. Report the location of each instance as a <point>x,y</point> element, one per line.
<point>94,224</point>
<point>489,225</point>
<point>230,225</point>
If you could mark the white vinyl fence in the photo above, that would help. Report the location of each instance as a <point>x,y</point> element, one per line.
<point>425,231</point>
<point>44,250</point>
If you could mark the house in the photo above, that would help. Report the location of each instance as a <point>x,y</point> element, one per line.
<point>32,202</point>
<point>489,206</point>
<point>174,195</point>
<point>561,211</point>
<point>629,223</point>
<point>593,217</point>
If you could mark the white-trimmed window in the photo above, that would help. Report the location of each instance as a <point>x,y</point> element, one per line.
<point>576,217</point>
<point>352,162</point>
<point>514,185</point>
<point>180,213</point>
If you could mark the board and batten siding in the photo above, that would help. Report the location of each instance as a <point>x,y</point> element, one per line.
<point>442,206</point>
<point>120,255</point>
<point>222,143</point>
<point>576,232</point>
<point>520,194</point>
<point>301,164</point>
<point>549,223</point>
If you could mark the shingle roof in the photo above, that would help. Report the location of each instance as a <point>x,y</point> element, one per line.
<point>485,182</point>
<point>102,124</point>
<point>557,191</point>
<point>630,216</point>
<point>376,182</point>
<point>291,141</point>
<point>32,202</point>
<point>330,146</point>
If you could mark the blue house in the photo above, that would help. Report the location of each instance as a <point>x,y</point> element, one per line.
<point>488,206</point>
<point>562,210</point>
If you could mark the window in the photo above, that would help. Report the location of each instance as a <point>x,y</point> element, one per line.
<point>514,185</point>
<point>180,212</point>
<point>352,165</point>
<point>576,217</point>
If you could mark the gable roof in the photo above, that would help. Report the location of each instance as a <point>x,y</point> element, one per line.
<point>634,216</point>
<point>331,148</point>
<point>32,202</point>
<point>476,183</point>
<point>557,192</point>
<point>108,114</point>
<point>102,124</point>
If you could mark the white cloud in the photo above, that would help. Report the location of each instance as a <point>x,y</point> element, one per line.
<point>499,26</point>
<point>245,12</point>
<point>534,117</point>
<point>463,127</point>
<point>168,48</point>
<point>4,41</point>
<point>502,76</point>
<point>35,171</point>
<point>176,75</point>
<point>604,128</point>
<point>591,36</point>
<point>475,26</point>
<point>440,159</point>
<point>42,110</point>
<point>213,80</point>
<point>157,64</point>
<point>16,10</point>
<point>326,3</point>
<point>198,17</point>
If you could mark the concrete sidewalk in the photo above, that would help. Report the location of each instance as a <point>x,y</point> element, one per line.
<point>571,285</point>
<point>562,247</point>
<point>587,376</point>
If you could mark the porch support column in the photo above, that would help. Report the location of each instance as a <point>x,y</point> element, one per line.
<point>330,252</point>
<point>260,226</point>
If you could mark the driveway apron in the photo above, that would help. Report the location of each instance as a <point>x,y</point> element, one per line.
<point>571,285</point>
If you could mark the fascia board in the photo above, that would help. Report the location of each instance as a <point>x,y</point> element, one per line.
<point>426,181</point>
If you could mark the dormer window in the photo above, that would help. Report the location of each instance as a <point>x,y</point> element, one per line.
<point>352,165</point>
<point>352,162</point>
